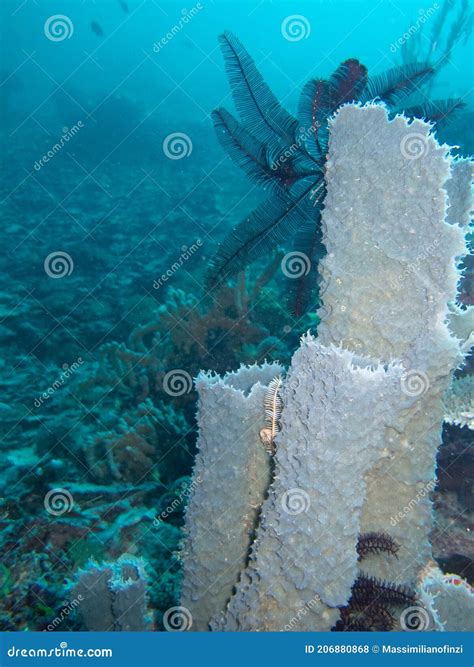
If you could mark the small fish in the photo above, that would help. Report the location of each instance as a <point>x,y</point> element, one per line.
<point>95,27</point>
<point>124,6</point>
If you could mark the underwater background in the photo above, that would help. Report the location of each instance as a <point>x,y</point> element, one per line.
<point>115,194</point>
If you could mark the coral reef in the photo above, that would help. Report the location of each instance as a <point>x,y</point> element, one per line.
<point>384,349</point>
<point>97,439</point>
<point>104,428</point>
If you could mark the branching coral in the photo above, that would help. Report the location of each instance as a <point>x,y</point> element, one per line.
<point>451,26</point>
<point>233,328</point>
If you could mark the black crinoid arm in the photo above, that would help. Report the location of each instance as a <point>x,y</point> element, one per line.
<point>376,543</point>
<point>286,155</point>
<point>269,145</point>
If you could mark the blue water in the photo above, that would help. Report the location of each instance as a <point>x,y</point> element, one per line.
<point>106,241</point>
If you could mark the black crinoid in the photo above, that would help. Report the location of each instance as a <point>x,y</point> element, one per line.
<point>286,155</point>
<point>376,542</point>
<point>372,604</point>
<point>373,601</point>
